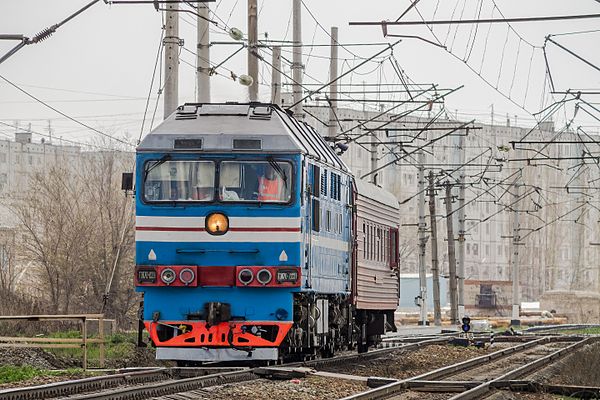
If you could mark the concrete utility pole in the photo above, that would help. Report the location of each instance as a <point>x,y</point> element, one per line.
<point>460,265</point>
<point>203,61</point>
<point>297,66</point>
<point>171,51</point>
<point>578,233</point>
<point>451,256</point>
<point>516,308</point>
<point>422,240</point>
<point>437,313</point>
<point>373,151</point>
<point>333,88</point>
<point>252,49</point>
<point>276,76</point>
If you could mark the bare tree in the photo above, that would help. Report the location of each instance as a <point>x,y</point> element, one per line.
<point>78,233</point>
<point>8,274</point>
<point>111,259</point>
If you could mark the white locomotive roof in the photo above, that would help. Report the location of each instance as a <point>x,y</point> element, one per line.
<point>376,193</point>
<point>218,125</point>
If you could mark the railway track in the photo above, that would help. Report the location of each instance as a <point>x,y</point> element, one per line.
<point>166,381</point>
<point>475,378</point>
<point>125,383</point>
<point>471,379</point>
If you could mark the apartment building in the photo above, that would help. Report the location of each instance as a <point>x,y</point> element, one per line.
<point>554,201</point>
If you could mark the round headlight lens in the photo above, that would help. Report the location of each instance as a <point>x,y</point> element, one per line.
<point>245,276</point>
<point>168,276</point>
<point>186,276</point>
<point>264,276</point>
<point>217,224</point>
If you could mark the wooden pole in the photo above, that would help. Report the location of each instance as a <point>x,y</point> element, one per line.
<point>101,335</point>
<point>84,335</point>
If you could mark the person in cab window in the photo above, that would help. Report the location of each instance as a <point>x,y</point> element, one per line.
<point>203,187</point>
<point>270,186</point>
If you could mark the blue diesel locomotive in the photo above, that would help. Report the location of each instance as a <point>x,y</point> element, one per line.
<point>255,242</point>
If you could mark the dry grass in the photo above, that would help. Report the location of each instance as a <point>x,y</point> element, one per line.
<point>581,368</point>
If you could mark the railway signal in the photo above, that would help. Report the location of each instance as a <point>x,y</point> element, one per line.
<point>466,324</point>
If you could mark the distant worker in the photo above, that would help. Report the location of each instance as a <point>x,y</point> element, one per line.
<point>269,186</point>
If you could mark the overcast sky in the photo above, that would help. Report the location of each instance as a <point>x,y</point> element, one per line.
<point>98,67</point>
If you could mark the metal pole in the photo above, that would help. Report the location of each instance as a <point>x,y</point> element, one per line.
<point>252,48</point>
<point>171,44</point>
<point>460,265</point>
<point>297,66</point>
<point>276,76</point>
<point>451,256</point>
<point>203,61</point>
<point>515,320</point>
<point>13,51</point>
<point>333,89</point>
<point>422,240</point>
<point>437,313</point>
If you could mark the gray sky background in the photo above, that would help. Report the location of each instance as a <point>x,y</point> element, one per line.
<point>98,67</point>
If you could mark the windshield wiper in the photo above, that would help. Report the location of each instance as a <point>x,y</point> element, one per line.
<point>164,159</point>
<point>278,169</point>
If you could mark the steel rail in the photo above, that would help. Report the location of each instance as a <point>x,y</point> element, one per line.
<point>484,388</point>
<point>171,387</point>
<point>71,387</point>
<point>531,386</point>
<point>584,392</point>
<point>401,385</point>
<point>345,359</point>
<point>74,387</point>
<point>212,376</point>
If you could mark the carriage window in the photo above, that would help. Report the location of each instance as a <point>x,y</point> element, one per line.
<point>255,181</point>
<point>394,256</point>
<point>364,231</point>
<point>179,181</point>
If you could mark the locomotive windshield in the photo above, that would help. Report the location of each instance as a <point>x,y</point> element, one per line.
<point>255,181</point>
<point>179,181</point>
<point>239,181</point>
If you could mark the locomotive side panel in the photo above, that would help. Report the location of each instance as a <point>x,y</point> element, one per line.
<point>328,236</point>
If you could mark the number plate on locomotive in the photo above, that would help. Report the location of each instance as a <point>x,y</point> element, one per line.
<point>288,275</point>
<point>146,276</point>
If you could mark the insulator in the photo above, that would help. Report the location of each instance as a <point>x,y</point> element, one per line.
<point>43,35</point>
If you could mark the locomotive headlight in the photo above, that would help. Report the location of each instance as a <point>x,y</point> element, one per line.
<point>168,276</point>
<point>217,224</point>
<point>264,276</point>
